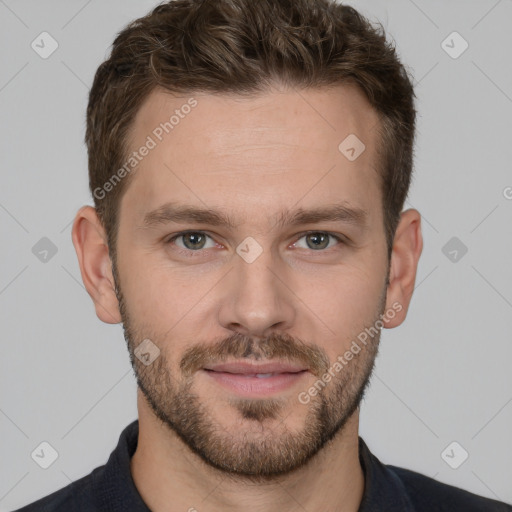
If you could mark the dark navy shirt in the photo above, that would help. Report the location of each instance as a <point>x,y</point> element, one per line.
<point>110,488</point>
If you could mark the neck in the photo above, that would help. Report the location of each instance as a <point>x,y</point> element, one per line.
<point>170,477</point>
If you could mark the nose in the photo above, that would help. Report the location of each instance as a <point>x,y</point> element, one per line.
<point>256,297</point>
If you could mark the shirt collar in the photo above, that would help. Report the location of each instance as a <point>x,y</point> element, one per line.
<point>116,491</point>
<point>383,489</point>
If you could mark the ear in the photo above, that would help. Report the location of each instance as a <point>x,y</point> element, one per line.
<point>407,247</point>
<point>90,241</point>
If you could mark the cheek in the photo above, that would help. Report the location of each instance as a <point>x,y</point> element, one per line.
<point>345,293</point>
<point>343,305</point>
<point>153,286</point>
<point>166,303</point>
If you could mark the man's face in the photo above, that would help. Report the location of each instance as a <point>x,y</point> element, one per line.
<point>262,289</point>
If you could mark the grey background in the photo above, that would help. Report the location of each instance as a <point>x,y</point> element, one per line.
<point>443,376</point>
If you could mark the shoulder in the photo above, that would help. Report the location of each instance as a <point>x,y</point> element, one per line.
<point>77,496</point>
<point>108,487</point>
<point>429,495</point>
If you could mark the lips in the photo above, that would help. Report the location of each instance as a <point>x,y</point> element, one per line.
<point>264,370</point>
<point>251,380</point>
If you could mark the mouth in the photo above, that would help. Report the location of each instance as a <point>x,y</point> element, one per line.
<point>255,380</point>
<point>245,368</point>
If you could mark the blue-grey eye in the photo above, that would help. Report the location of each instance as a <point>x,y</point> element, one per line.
<point>318,240</point>
<point>192,240</point>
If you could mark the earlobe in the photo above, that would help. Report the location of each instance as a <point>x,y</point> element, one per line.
<point>407,247</point>
<point>90,241</point>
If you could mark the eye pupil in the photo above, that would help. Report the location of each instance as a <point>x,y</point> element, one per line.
<point>318,239</point>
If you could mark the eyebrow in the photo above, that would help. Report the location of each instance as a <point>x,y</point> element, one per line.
<point>182,213</point>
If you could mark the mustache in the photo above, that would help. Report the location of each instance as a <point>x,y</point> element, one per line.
<point>239,346</point>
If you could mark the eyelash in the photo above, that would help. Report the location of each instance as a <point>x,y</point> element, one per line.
<point>189,252</point>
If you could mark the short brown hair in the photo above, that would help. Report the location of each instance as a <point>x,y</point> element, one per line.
<point>243,47</point>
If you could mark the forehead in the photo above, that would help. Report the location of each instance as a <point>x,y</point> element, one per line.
<point>270,151</point>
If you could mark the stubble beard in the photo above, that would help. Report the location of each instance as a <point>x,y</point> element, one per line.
<point>267,447</point>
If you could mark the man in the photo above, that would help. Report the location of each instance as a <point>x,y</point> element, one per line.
<point>249,162</point>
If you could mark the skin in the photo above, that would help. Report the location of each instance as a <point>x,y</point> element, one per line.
<point>252,158</point>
